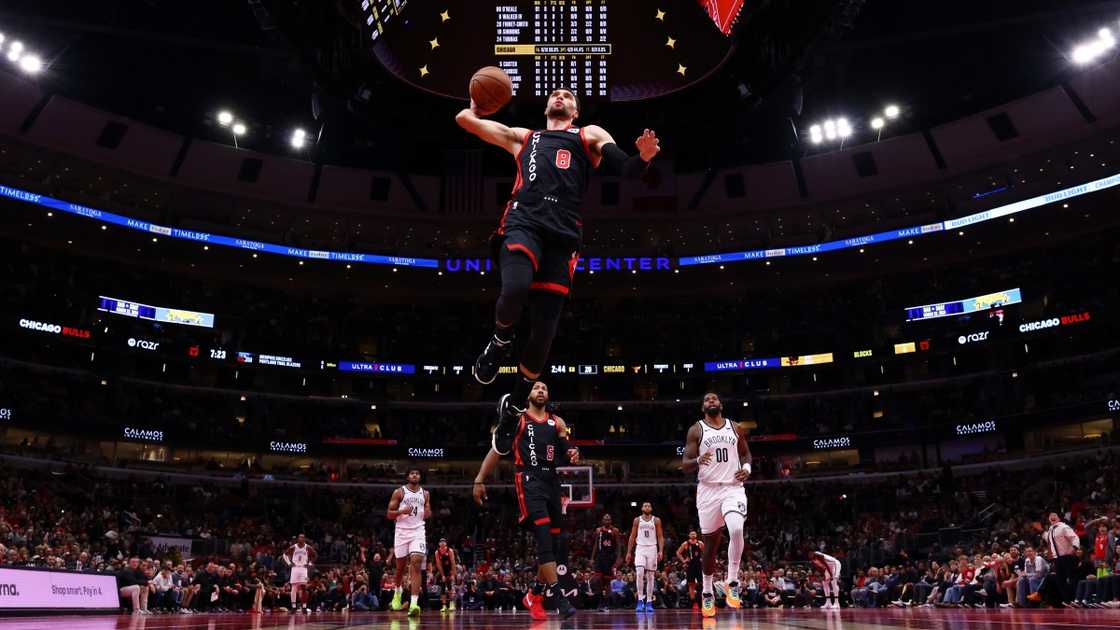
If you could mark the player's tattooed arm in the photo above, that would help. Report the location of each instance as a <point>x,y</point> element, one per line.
<point>394,505</point>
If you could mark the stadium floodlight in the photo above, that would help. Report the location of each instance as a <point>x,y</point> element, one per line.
<point>1089,52</point>
<point>225,118</point>
<point>31,64</point>
<point>843,129</point>
<point>15,51</point>
<point>299,139</point>
<point>1,38</point>
<point>239,129</point>
<point>892,111</point>
<point>816,134</point>
<point>877,123</point>
<point>830,129</point>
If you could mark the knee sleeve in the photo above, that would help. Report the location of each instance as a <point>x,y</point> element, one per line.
<point>547,308</point>
<point>517,275</point>
<point>545,551</point>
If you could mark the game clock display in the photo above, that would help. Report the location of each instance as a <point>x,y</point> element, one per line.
<point>602,50</point>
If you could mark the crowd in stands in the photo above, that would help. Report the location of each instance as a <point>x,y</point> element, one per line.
<point>946,540</point>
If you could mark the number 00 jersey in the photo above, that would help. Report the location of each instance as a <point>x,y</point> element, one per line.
<point>723,444</point>
<point>552,172</point>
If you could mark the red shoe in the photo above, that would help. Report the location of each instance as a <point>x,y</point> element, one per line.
<point>535,604</point>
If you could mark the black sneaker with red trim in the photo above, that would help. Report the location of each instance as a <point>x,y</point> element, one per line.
<point>493,355</point>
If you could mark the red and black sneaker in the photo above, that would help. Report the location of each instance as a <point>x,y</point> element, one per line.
<point>535,604</point>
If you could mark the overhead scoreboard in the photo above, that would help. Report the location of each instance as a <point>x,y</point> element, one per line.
<point>649,50</point>
<point>542,45</point>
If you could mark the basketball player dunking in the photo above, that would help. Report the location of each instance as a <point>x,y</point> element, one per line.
<point>446,564</point>
<point>604,557</point>
<point>538,238</point>
<point>647,539</point>
<point>299,556</point>
<point>690,554</point>
<point>409,506</point>
<point>717,449</point>
<point>539,446</point>
<point>830,580</point>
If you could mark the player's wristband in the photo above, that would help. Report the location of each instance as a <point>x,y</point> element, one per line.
<point>747,467</point>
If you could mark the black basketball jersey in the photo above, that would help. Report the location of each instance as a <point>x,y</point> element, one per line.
<point>604,541</point>
<point>553,168</point>
<point>537,445</point>
<point>693,551</point>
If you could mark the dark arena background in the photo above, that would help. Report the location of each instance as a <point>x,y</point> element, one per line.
<point>247,252</point>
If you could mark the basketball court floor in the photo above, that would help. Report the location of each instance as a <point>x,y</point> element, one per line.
<point>859,619</point>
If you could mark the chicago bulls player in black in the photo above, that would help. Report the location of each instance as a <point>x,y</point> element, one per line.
<point>539,446</point>
<point>538,238</point>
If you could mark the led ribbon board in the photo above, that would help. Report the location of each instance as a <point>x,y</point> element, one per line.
<point>212,239</point>
<point>908,233</point>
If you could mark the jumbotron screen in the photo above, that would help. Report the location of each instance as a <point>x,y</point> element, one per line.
<point>605,50</point>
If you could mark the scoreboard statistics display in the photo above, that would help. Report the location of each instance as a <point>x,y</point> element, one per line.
<point>556,44</point>
<point>603,50</point>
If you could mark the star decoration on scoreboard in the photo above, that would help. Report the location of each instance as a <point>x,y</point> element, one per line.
<point>660,15</point>
<point>433,44</point>
<point>672,43</point>
<point>681,69</point>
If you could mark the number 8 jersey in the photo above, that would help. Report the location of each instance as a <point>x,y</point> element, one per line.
<point>553,168</point>
<point>723,444</point>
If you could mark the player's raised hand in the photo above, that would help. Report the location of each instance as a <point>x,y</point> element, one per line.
<point>480,493</point>
<point>648,145</point>
<point>704,459</point>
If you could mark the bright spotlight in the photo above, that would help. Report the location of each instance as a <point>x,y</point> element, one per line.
<point>892,111</point>
<point>843,129</point>
<point>830,129</point>
<point>31,64</point>
<point>816,134</point>
<point>225,118</point>
<point>17,46</point>
<point>15,51</point>
<point>299,138</point>
<point>1,38</point>
<point>239,129</point>
<point>1105,35</point>
<point>877,123</point>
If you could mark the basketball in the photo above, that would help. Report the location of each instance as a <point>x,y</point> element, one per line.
<point>491,89</point>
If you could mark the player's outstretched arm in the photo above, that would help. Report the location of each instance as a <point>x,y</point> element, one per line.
<point>491,131</point>
<point>606,152</point>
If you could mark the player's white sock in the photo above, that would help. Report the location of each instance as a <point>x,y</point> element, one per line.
<point>294,596</point>
<point>827,586</point>
<point>650,575</point>
<point>708,584</point>
<point>641,584</point>
<point>735,544</point>
<point>414,599</point>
